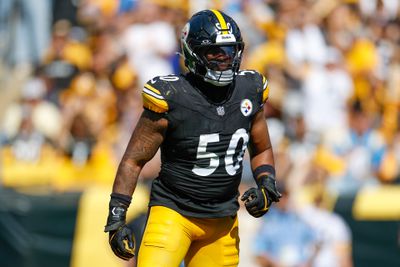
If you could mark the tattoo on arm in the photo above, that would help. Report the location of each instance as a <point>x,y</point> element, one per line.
<point>143,145</point>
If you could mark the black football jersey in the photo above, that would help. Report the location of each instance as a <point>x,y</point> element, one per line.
<point>205,142</point>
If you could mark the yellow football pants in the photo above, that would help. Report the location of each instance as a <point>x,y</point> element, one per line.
<point>170,237</point>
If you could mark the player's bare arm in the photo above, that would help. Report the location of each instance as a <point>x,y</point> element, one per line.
<point>143,145</point>
<point>258,200</point>
<point>260,147</point>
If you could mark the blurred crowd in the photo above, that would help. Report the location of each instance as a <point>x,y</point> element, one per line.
<point>71,74</point>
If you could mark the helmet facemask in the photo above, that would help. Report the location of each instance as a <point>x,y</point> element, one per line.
<point>221,63</point>
<point>217,64</point>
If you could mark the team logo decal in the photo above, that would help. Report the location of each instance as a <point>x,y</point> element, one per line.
<point>185,31</point>
<point>246,107</point>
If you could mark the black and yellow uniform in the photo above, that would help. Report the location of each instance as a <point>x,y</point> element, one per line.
<point>204,146</point>
<point>203,122</point>
<point>194,199</point>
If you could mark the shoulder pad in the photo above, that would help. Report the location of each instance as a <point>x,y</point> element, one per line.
<point>260,80</point>
<point>153,95</point>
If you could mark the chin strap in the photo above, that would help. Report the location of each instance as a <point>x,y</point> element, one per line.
<point>219,78</point>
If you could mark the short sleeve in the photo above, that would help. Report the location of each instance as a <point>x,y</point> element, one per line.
<point>265,91</point>
<point>153,98</point>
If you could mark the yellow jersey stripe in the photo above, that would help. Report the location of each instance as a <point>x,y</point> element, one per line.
<point>148,86</point>
<point>265,89</point>
<point>221,20</point>
<point>151,93</point>
<point>265,94</point>
<point>153,103</point>
<point>264,81</point>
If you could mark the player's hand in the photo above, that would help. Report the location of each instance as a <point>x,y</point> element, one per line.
<point>121,238</point>
<point>258,200</point>
<point>122,242</point>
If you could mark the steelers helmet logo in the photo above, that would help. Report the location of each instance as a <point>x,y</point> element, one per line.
<point>185,31</point>
<point>246,107</point>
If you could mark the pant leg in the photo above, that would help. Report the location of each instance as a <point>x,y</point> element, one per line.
<point>166,239</point>
<point>220,248</point>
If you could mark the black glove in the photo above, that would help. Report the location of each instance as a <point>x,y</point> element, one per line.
<point>121,238</point>
<point>258,200</point>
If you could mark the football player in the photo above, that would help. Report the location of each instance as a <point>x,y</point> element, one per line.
<point>203,121</point>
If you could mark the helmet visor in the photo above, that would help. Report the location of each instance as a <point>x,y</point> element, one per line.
<point>217,57</point>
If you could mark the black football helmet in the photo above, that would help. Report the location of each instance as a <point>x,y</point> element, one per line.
<point>212,46</point>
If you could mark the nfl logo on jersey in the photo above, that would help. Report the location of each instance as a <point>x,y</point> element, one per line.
<point>220,111</point>
<point>246,107</point>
